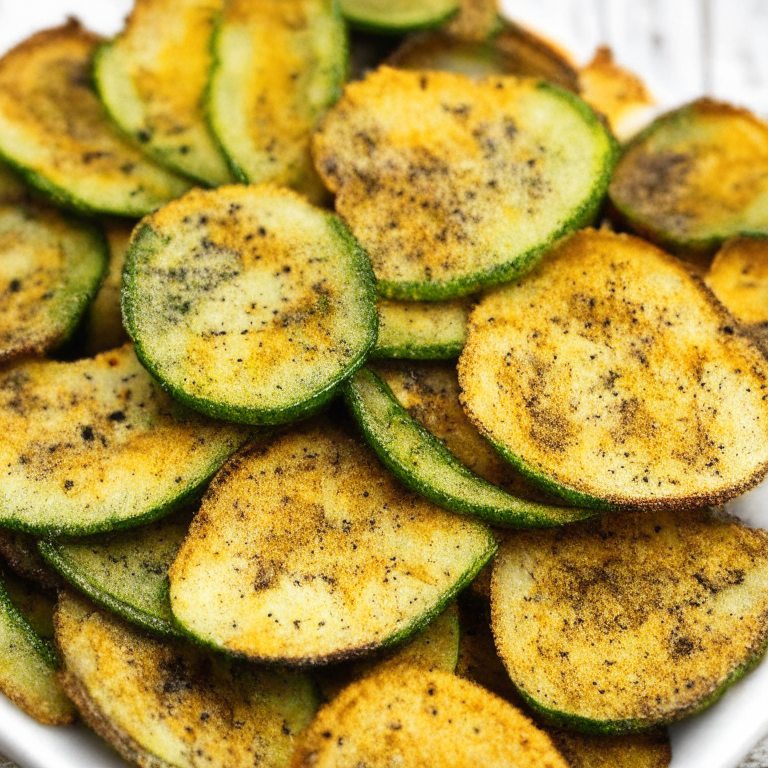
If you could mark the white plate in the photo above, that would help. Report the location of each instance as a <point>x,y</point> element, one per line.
<point>719,738</point>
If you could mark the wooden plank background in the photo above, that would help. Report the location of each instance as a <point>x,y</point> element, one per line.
<point>681,48</point>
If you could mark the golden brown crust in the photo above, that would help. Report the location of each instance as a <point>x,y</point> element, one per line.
<point>615,92</point>
<point>632,620</point>
<point>408,716</point>
<point>647,750</point>
<point>578,368</point>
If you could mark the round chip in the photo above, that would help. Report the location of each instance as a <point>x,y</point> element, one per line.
<point>96,445</point>
<point>630,621</point>
<point>248,304</point>
<point>163,704</point>
<point>451,184</point>
<point>411,717</point>
<point>695,177</point>
<point>611,377</point>
<point>306,551</point>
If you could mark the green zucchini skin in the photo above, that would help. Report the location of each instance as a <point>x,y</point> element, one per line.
<point>145,242</point>
<point>393,26</point>
<point>404,447</point>
<point>112,590</point>
<point>441,337</point>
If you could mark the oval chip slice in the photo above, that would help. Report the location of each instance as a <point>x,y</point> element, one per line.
<point>451,184</point>
<point>278,66</point>
<point>409,716</point>
<point>248,303</point>
<point>96,445</point>
<point>51,266</point>
<point>54,130</point>
<point>126,573</point>
<point>695,177</point>
<point>162,703</point>
<point>152,79</point>
<point>306,551</point>
<point>630,621</point>
<point>611,377</point>
<point>28,663</point>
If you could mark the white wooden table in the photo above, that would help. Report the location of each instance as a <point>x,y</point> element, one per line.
<point>681,48</point>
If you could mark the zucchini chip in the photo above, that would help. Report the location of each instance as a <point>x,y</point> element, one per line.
<point>397,16</point>
<point>19,550</point>
<point>422,330</point>
<point>738,277</point>
<point>411,717</point>
<point>96,445</point>
<point>28,663</point>
<point>153,84</point>
<point>248,304</point>
<point>631,621</point>
<point>695,177</point>
<point>451,184</point>
<point>422,463</point>
<point>104,321</point>
<point>436,647</point>
<point>615,92</point>
<point>126,573</point>
<point>162,703</point>
<point>612,377</point>
<point>509,50</point>
<point>54,130</point>
<point>51,266</point>
<point>306,551</point>
<point>278,66</point>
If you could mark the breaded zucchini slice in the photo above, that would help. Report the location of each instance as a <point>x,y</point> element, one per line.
<point>451,184</point>
<point>612,377</point>
<point>104,321</point>
<point>409,716</point>
<point>54,130</point>
<point>423,463</point>
<point>631,621</point>
<point>19,550</point>
<point>695,177</point>
<point>126,573</point>
<point>96,445</point>
<point>278,66</point>
<point>397,16</point>
<point>421,330</point>
<point>248,304</point>
<point>152,79</point>
<point>306,551</point>
<point>738,276</point>
<point>508,50</point>
<point>12,188</point>
<point>28,662</point>
<point>617,93</point>
<point>51,267</point>
<point>164,703</point>
<point>436,647</point>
